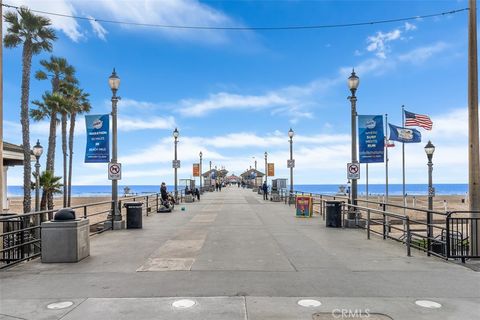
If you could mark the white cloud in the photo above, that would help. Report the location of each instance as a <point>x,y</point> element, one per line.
<point>379,42</point>
<point>67,25</point>
<point>132,124</point>
<point>98,29</point>
<point>225,100</point>
<point>166,12</point>
<point>420,55</point>
<point>409,26</point>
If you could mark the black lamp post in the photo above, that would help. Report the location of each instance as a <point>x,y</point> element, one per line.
<point>290,135</point>
<point>175,165</point>
<point>37,152</point>
<point>114,83</point>
<point>429,150</point>
<point>353,82</point>
<point>200,154</point>
<point>266,168</point>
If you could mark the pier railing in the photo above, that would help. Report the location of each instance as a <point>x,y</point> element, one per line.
<point>441,234</point>
<point>21,236</point>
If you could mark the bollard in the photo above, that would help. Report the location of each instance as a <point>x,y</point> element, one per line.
<point>409,236</point>
<point>368,224</point>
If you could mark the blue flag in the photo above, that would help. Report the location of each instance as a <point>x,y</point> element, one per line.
<point>406,135</point>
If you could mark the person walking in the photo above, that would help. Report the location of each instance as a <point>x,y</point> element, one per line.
<point>265,190</point>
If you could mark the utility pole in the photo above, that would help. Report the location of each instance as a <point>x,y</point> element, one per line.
<point>473,149</point>
<point>2,178</point>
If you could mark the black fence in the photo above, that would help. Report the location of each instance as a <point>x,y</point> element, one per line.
<point>441,234</point>
<point>20,234</point>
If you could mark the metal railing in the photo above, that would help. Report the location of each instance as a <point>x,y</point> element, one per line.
<point>438,233</point>
<point>150,201</point>
<point>458,244</point>
<point>21,236</point>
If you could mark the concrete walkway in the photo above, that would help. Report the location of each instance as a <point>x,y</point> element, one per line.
<point>239,257</point>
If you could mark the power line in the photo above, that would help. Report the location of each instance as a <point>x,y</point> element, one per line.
<point>326,26</point>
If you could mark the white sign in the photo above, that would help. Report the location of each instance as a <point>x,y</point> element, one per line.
<point>353,170</point>
<point>291,163</point>
<point>114,171</point>
<point>175,164</point>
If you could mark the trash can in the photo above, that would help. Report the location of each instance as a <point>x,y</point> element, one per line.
<point>134,215</point>
<point>65,239</point>
<point>334,214</point>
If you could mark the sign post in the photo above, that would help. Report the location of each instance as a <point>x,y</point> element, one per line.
<point>353,170</point>
<point>291,163</point>
<point>114,171</point>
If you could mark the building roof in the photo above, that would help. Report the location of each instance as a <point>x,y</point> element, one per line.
<point>247,174</point>
<point>12,154</point>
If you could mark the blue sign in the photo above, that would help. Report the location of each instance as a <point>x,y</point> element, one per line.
<point>371,139</point>
<point>97,138</point>
<point>405,135</point>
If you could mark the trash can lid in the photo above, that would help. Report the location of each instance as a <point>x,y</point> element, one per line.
<point>64,214</point>
<point>132,204</point>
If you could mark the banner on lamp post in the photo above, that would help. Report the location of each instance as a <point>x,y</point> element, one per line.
<point>271,169</point>
<point>370,138</point>
<point>196,170</point>
<point>97,149</point>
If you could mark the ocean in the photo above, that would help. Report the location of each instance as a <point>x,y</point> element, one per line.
<point>373,189</point>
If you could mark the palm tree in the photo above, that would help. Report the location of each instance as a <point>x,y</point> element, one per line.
<point>50,185</point>
<point>80,104</point>
<point>50,106</point>
<point>59,70</point>
<point>34,33</point>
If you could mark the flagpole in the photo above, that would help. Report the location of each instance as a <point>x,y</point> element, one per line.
<point>403,164</point>
<point>386,159</point>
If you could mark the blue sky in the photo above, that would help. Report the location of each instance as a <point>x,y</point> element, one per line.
<point>234,94</point>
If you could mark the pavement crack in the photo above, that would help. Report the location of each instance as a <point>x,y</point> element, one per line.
<point>246,308</point>
<point>69,311</point>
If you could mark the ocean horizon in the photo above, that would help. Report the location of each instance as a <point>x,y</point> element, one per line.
<point>373,189</point>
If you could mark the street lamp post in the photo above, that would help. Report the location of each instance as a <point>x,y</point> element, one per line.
<point>200,154</point>
<point>353,82</point>
<point>429,150</point>
<point>37,152</point>
<point>290,135</point>
<point>266,168</point>
<point>175,137</point>
<point>114,83</point>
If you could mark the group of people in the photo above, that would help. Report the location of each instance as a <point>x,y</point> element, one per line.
<point>195,192</point>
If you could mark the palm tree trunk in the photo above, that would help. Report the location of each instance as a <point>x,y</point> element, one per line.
<point>43,202</point>
<point>64,150</point>
<point>52,137</point>
<point>50,203</point>
<point>24,119</point>
<point>52,140</point>
<point>70,153</point>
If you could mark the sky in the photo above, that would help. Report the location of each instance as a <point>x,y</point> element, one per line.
<point>235,94</point>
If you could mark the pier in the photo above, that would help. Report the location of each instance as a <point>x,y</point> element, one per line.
<point>240,257</point>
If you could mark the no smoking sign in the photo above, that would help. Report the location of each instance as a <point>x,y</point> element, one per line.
<point>114,171</point>
<point>353,170</point>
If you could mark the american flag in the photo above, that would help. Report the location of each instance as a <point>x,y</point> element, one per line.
<point>419,120</point>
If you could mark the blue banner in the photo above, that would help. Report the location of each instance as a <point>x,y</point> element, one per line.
<point>405,135</point>
<point>370,136</point>
<point>97,138</point>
